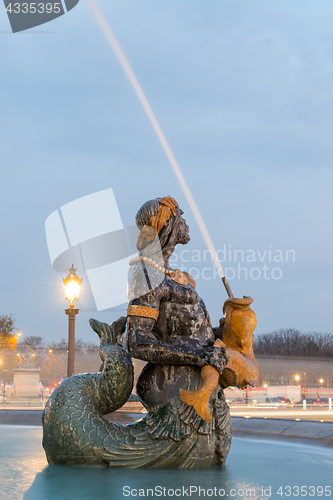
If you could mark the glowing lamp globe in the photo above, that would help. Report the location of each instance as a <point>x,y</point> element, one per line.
<point>72,286</point>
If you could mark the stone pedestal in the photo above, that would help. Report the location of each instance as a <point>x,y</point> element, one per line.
<point>26,382</point>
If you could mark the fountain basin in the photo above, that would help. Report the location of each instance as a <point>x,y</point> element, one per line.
<point>256,468</point>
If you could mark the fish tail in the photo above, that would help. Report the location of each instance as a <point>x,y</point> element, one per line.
<point>190,397</point>
<point>199,400</point>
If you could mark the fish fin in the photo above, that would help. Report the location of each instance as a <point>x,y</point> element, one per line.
<point>200,402</point>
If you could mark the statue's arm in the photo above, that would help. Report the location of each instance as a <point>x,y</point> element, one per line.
<point>143,344</point>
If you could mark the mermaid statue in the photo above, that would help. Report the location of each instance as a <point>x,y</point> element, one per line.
<point>189,363</point>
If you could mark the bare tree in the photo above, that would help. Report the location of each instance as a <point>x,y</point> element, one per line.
<point>291,342</point>
<point>34,342</point>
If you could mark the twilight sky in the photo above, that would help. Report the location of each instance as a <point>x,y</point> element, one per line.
<point>243,92</point>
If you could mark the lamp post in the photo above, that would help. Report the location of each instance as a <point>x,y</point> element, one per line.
<point>72,288</point>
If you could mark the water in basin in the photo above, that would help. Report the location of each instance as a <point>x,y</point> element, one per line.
<point>255,468</point>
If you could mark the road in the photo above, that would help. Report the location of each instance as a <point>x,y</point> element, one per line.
<point>322,414</point>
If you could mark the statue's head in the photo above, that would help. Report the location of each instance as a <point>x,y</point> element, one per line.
<point>161,217</point>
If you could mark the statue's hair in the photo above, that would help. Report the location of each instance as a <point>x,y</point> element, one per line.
<point>146,212</point>
<point>148,216</point>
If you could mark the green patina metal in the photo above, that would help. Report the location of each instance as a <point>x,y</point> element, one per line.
<point>75,432</point>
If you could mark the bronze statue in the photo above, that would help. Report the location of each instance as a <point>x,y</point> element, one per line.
<point>188,364</point>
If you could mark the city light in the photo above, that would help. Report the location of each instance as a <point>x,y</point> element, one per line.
<point>72,287</point>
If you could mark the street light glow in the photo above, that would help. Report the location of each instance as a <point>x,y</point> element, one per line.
<point>72,286</point>
<point>18,333</point>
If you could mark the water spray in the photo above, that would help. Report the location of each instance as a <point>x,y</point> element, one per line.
<point>103,24</point>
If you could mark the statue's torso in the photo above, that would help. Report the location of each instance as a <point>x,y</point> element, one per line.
<point>183,320</point>
<point>183,316</point>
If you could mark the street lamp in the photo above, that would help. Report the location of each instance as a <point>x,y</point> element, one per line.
<point>17,334</point>
<point>72,289</point>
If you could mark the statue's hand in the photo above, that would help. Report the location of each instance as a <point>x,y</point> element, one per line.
<point>217,357</point>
